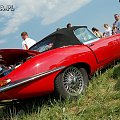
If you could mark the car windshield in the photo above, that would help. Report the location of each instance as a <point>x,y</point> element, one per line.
<point>84,35</point>
<point>43,45</point>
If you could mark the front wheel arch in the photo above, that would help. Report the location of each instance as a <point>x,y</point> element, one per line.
<point>83,65</point>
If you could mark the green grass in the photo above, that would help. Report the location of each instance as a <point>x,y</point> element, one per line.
<point>100,102</point>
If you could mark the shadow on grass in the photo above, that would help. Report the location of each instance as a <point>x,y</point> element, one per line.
<point>27,107</point>
<point>116,76</point>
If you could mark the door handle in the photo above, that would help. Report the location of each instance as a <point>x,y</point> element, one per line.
<point>91,44</point>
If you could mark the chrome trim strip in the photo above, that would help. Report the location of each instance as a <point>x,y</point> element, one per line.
<point>91,41</point>
<point>23,81</point>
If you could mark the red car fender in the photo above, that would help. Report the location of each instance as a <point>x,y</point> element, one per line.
<point>53,59</point>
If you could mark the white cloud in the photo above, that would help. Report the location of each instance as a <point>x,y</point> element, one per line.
<point>49,10</point>
<point>2,42</point>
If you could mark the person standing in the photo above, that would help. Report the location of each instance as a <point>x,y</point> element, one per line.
<point>27,42</point>
<point>117,22</point>
<point>69,25</point>
<point>97,32</point>
<point>114,30</point>
<point>108,30</point>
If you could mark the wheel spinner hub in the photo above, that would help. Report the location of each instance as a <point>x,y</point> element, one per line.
<point>73,81</point>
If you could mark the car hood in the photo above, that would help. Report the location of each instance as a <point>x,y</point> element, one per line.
<point>12,56</point>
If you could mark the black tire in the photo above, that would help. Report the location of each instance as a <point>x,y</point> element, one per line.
<point>71,83</point>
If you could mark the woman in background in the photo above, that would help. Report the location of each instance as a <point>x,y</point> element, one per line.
<point>108,30</point>
<point>97,32</point>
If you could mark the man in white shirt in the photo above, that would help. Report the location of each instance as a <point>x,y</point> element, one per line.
<point>117,22</point>
<point>27,42</point>
<point>108,30</point>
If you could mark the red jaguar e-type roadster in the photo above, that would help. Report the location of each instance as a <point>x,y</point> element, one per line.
<point>61,62</point>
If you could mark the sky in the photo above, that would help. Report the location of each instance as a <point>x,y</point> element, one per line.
<point>41,17</point>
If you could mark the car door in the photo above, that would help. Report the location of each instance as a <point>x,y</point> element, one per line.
<point>103,49</point>
<point>117,44</point>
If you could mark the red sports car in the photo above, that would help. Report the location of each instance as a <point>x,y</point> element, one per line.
<point>61,62</point>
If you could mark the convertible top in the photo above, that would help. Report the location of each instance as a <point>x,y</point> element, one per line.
<point>63,37</point>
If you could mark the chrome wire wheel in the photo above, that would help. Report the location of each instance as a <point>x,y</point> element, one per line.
<point>73,81</point>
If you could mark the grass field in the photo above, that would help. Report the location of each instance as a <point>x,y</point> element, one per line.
<point>100,102</point>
